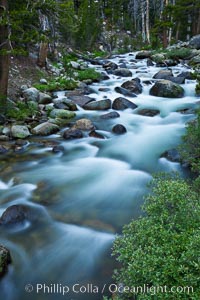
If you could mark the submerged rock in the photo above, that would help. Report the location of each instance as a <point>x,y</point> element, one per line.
<point>95,134</point>
<point>119,129</point>
<point>148,112</point>
<point>110,115</point>
<point>72,133</point>
<point>123,103</point>
<point>167,89</point>
<point>5,260</point>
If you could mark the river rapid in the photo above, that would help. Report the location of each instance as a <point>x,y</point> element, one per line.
<point>81,198</point>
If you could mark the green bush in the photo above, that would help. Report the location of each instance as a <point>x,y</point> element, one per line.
<point>22,110</point>
<point>190,149</point>
<point>57,84</point>
<point>162,248</point>
<point>182,53</point>
<point>89,73</point>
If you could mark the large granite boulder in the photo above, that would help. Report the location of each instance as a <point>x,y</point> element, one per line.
<point>167,89</point>
<point>20,131</point>
<point>133,86</point>
<point>46,128</point>
<point>98,105</point>
<point>195,42</point>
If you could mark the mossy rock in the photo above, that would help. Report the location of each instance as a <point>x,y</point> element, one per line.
<point>62,113</point>
<point>167,89</point>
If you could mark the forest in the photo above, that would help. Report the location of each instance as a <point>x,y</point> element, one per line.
<point>100,149</point>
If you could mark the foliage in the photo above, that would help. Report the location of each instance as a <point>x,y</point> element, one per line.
<point>182,53</point>
<point>22,110</point>
<point>161,249</point>
<point>57,84</point>
<point>89,73</point>
<point>190,150</point>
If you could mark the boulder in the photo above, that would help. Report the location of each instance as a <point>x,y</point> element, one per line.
<point>72,133</point>
<point>119,129</point>
<point>122,103</point>
<point>81,100</point>
<point>133,86</point>
<point>44,98</point>
<point>195,42</point>
<point>14,214</point>
<point>65,103</point>
<point>46,128</point>
<point>62,113</point>
<point>143,54</point>
<point>17,214</point>
<point>20,131</point>
<point>109,65</point>
<point>149,63</point>
<point>83,124</point>
<point>95,134</point>
<point>172,155</point>
<point>148,112</point>
<point>98,105</point>
<point>58,149</point>
<point>186,75</point>
<point>167,89</point>
<point>5,260</point>
<point>163,74</point>
<point>31,94</point>
<point>123,72</point>
<point>178,80</point>
<point>124,92</point>
<point>110,115</point>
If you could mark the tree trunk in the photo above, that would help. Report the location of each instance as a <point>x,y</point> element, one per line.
<point>4,56</point>
<point>42,57</point>
<point>143,21</point>
<point>147,21</point>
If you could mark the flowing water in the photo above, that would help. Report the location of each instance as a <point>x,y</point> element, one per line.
<point>81,198</point>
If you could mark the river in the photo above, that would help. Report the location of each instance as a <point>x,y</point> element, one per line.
<point>82,197</point>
